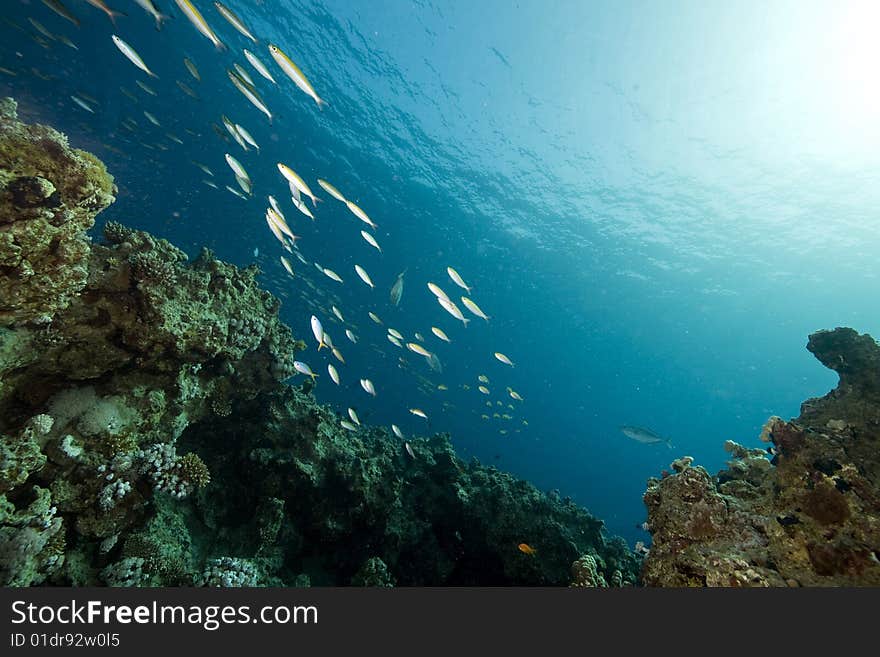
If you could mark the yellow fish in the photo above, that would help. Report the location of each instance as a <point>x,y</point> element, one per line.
<point>440,334</point>
<point>295,74</point>
<point>199,22</point>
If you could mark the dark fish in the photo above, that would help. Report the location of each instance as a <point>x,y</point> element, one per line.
<point>61,10</point>
<point>397,289</point>
<point>644,436</point>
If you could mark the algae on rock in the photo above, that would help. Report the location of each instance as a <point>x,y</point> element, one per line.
<point>808,517</point>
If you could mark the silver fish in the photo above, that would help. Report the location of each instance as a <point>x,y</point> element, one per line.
<point>644,436</point>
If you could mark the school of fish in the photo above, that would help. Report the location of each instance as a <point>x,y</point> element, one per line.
<point>419,358</point>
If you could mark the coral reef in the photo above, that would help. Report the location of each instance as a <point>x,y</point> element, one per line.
<point>355,508</point>
<point>49,196</point>
<point>808,516</point>
<point>148,436</point>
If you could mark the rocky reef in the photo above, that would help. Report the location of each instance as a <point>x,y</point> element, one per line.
<point>803,512</point>
<point>150,436</point>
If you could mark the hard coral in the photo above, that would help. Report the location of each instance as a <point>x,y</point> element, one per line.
<point>49,196</point>
<point>811,517</point>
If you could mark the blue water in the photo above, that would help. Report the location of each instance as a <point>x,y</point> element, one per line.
<point>655,202</point>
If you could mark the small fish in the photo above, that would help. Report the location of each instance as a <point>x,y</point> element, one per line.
<point>82,104</point>
<point>330,189</point>
<point>397,334</point>
<point>299,204</point>
<point>440,334</point>
<point>514,394</point>
<point>419,337</point>
<point>504,359</point>
<point>236,167</point>
<point>474,308</point>
<point>395,341</point>
<point>367,385</point>
<point>246,136</point>
<point>39,27</point>
<point>360,214</point>
<point>369,239</point>
<point>295,74</point>
<point>419,412</point>
<point>230,128</point>
<point>333,373</point>
<point>644,436</point>
<point>237,193</point>
<point>348,425</point>
<point>41,42</point>
<point>327,340</point>
<point>186,89</point>
<point>152,119</point>
<point>452,309</point>
<point>397,288</point>
<point>193,71</point>
<point>351,336</point>
<point>483,378</point>
<point>250,93</point>
<point>143,85</point>
<point>302,368</point>
<point>525,548</point>
<point>210,184</point>
<point>442,386</point>
<point>364,276</point>
<point>274,205</point>
<point>353,416</point>
<point>483,389</point>
<point>337,312</point>
<point>318,332</point>
<point>174,138</point>
<point>437,292</point>
<point>276,220</point>
<point>329,273</point>
<point>338,355</point>
<point>434,362</point>
<point>58,7</point>
<point>375,317</point>
<point>284,263</point>
<point>419,349</point>
<point>293,178</point>
<point>67,42</point>
<point>199,22</point>
<point>258,65</point>
<point>132,56</point>
<point>100,4</point>
<point>457,279</point>
<point>397,431</point>
<point>150,8</point>
<point>409,450</point>
<point>234,20</point>
<point>243,74</point>
<point>270,219</point>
